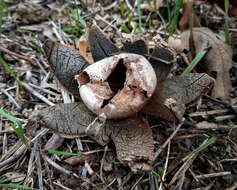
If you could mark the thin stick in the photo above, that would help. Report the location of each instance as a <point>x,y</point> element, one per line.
<point>39,170</point>
<point>102,164</point>
<point>35,93</point>
<point>168,140</point>
<point>10,98</point>
<point>31,61</point>
<point>212,175</point>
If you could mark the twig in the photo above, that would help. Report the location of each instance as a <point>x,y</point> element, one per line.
<point>102,164</point>
<point>62,186</point>
<point>183,168</point>
<point>30,165</point>
<point>6,131</point>
<point>137,182</point>
<point>10,98</point>
<point>21,149</point>
<point>39,170</point>
<point>213,175</point>
<point>168,140</point>
<point>4,144</point>
<point>31,61</point>
<point>56,166</point>
<point>44,90</point>
<point>17,154</point>
<point>35,93</point>
<point>166,165</point>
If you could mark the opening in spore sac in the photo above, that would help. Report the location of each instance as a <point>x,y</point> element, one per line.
<point>117,78</point>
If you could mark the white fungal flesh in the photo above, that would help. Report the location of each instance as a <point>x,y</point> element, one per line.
<point>140,78</point>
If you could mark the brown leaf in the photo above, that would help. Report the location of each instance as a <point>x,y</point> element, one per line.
<point>218,60</point>
<point>83,51</point>
<point>173,96</point>
<point>100,46</point>
<point>185,19</point>
<point>65,63</point>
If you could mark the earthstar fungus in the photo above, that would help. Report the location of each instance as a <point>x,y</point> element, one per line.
<point>115,91</point>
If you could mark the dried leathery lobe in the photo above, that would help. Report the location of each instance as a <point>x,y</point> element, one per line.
<point>65,63</point>
<point>173,96</point>
<point>161,58</point>
<point>132,136</point>
<point>99,44</point>
<point>118,86</point>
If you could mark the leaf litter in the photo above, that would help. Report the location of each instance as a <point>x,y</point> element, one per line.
<point>161,129</point>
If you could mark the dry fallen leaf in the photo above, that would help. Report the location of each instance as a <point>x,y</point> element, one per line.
<point>83,51</point>
<point>218,60</point>
<point>173,96</point>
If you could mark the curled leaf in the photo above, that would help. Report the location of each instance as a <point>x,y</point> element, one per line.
<point>65,63</point>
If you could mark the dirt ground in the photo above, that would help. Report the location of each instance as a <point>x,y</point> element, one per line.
<point>25,27</point>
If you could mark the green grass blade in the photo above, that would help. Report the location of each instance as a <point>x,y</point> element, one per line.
<point>195,61</point>
<point>227,33</point>
<point>10,117</point>
<point>15,186</point>
<point>169,14</point>
<point>19,131</point>
<point>200,148</point>
<point>10,70</point>
<point>79,20</point>
<point>156,174</point>
<point>139,15</point>
<point>64,153</point>
<point>129,17</point>
<point>122,10</point>
<point>124,28</point>
<point>149,23</point>
<point>1,15</point>
<point>178,6</point>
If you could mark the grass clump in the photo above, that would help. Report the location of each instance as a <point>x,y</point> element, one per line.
<point>80,23</point>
